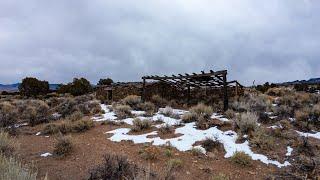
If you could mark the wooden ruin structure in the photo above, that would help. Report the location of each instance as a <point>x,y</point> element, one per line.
<point>186,82</point>
<point>209,87</point>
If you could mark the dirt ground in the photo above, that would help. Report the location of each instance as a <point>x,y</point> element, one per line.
<point>90,146</point>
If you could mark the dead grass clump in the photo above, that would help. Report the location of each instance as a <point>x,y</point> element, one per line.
<point>304,147</point>
<point>68,126</point>
<point>246,122</point>
<point>123,111</point>
<point>132,100</point>
<point>262,140</point>
<point>189,117</point>
<point>210,145</point>
<point>118,167</point>
<point>8,114</point>
<point>140,125</point>
<point>280,91</point>
<point>241,158</point>
<point>283,111</point>
<point>165,129</point>
<point>10,169</point>
<point>167,111</point>
<point>7,145</point>
<point>63,146</point>
<point>303,119</point>
<point>202,110</point>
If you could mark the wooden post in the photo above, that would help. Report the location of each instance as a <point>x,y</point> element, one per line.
<point>189,94</point>
<point>144,90</point>
<point>225,93</point>
<point>237,89</point>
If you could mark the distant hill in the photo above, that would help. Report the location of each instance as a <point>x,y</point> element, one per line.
<point>15,87</point>
<point>310,81</point>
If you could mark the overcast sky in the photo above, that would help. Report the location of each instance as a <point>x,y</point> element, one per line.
<point>267,40</point>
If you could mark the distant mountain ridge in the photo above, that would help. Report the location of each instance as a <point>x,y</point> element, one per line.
<point>15,87</point>
<point>310,81</point>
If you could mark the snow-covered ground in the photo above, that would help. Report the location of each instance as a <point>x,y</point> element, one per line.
<point>189,135</point>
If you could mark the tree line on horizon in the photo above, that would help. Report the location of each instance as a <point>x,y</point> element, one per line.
<point>32,87</point>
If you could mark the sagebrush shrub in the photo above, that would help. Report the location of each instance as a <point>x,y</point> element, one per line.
<point>140,125</point>
<point>189,117</point>
<point>148,107</point>
<point>63,146</point>
<point>241,159</point>
<point>8,114</point>
<point>202,110</point>
<point>165,129</point>
<point>262,140</point>
<point>123,111</point>
<point>167,111</point>
<point>132,100</point>
<point>118,167</point>
<point>209,144</point>
<point>246,122</point>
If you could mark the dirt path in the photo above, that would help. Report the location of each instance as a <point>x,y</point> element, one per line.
<point>93,144</point>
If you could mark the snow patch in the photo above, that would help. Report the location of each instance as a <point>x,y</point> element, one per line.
<point>314,135</point>
<point>190,135</point>
<point>46,154</point>
<point>219,117</point>
<point>289,151</point>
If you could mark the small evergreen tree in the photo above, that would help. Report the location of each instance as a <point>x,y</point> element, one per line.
<point>77,88</point>
<point>107,81</point>
<point>32,87</point>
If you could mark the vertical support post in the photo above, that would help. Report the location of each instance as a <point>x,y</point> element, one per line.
<point>225,93</point>
<point>237,89</point>
<point>144,90</point>
<point>189,93</point>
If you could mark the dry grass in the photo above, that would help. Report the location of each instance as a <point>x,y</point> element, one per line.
<point>242,159</point>
<point>140,125</point>
<point>63,146</point>
<point>65,127</point>
<point>149,153</point>
<point>10,169</point>
<point>174,164</point>
<point>159,101</point>
<point>196,151</point>
<point>7,144</point>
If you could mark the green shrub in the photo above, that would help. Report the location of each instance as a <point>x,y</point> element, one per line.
<point>63,146</point>
<point>106,81</point>
<point>140,125</point>
<point>77,88</point>
<point>10,169</point>
<point>168,153</point>
<point>241,159</point>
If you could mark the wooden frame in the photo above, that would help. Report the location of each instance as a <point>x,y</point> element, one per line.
<point>212,79</point>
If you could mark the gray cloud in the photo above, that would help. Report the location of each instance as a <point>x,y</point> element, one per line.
<point>274,40</point>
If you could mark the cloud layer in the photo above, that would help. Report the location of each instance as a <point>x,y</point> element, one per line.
<point>274,40</point>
